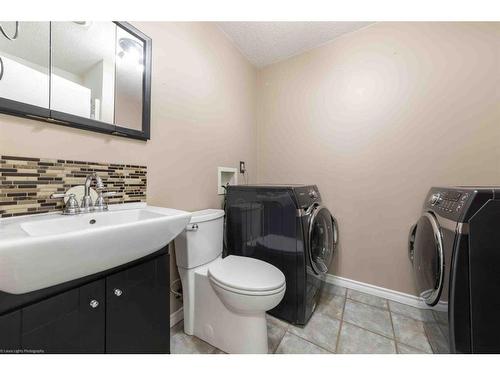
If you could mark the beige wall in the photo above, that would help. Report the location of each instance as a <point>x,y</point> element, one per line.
<point>377,117</point>
<point>203,116</point>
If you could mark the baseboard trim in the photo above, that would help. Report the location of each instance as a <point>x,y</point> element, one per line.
<point>176,317</point>
<point>375,290</point>
<point>378,291</point>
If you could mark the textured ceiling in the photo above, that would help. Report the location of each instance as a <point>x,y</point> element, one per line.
<point>264,43</point>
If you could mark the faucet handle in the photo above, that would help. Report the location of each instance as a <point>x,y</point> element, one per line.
<point>71,207</point>
<point>100,204</point>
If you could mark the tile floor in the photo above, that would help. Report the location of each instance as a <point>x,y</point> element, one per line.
<point>346,321</point>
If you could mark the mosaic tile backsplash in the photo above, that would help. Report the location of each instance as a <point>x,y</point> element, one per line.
<point>27,183</point>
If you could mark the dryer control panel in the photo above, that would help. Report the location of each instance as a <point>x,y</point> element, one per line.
<point>457,203</point>
<point>448,201</point>
<point>307,195</point>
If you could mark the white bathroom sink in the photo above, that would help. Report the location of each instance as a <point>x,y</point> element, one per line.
<point>66,224</point>
<point>40,251</point>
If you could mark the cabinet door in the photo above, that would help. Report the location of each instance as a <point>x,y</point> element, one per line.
<point>137,309</point>
<point>10,332</point>
<point>70,322</point>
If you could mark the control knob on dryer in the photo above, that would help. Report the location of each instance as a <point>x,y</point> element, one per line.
<point>436,199</point>
<point>313,194</point>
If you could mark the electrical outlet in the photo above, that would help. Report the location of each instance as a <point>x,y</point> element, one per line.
<point>242,167</point>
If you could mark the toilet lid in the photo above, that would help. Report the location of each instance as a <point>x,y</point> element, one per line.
<point>246,274</point>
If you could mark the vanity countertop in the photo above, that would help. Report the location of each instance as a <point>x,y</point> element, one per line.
<point>39,251</point>
<point>11,228</point>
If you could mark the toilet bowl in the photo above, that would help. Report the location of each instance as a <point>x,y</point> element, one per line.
<point>225,299</point>
<point>247,285</point>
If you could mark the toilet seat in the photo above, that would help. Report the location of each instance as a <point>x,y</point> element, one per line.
<point>247,276</point>
<point>248,292</point>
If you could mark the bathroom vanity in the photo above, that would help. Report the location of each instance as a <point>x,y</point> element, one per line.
<point>95,282</point>
<point>121,310</point>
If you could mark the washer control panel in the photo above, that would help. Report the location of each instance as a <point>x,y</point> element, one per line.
<point>451,203</point>
<point>459,203</point>
<point>448,201</point>
<point>307,195</point>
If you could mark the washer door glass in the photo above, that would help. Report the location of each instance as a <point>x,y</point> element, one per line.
<point>322,239</point>
<point>428,262</point>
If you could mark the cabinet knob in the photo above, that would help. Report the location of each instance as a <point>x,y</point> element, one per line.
<point>94,303</point>
<point>118,292</point>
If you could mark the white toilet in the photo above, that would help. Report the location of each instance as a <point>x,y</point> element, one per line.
<point>225,300</point>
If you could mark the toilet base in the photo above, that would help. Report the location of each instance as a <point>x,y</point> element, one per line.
<point>210,320</point>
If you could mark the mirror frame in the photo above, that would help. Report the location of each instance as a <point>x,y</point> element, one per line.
<point>16,108</point>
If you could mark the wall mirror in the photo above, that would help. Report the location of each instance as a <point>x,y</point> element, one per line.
<point>25,65</point>
<point>90,75</point>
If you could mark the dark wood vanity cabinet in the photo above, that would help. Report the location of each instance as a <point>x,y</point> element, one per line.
<point>10,332</point>
<point>137,306</point>
<point>123,311</point>
<point>70,322</point>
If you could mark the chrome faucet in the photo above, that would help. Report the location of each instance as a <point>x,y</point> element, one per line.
<point>71,207</point>
<point>86,205</point>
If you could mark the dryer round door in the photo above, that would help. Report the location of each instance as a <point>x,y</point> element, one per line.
<point>322,239</point>
<point>428,260</point>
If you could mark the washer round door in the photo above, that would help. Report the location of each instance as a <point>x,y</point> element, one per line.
<point>428,259</point>
<point>322,239</point>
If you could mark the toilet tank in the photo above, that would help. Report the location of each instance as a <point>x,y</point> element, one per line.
<point>201,242</point>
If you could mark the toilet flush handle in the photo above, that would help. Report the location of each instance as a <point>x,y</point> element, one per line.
<point>192,227</point>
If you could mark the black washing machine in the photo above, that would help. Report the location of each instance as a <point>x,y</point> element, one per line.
<point>455,253</point>
<point>288,227</point>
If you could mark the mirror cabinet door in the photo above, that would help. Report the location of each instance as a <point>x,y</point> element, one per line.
<point>90,75</point>
<point>83,69</point>
<point>24,64</point>
<point>129,80</point>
